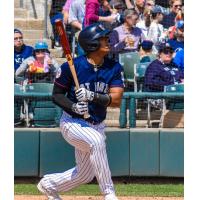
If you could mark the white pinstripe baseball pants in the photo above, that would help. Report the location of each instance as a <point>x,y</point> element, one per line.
<point>91,158</point>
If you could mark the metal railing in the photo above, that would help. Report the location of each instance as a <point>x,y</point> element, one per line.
<point>129,99</point>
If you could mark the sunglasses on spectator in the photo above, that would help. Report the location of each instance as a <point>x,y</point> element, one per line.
<point>40,51</point>
<point>18,38</point>
<point>176,6</point>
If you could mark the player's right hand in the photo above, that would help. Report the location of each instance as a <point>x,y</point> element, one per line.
<point>80,108</point>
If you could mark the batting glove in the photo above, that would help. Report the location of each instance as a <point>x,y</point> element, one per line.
<point>80,108</point>
<point>83,94</point>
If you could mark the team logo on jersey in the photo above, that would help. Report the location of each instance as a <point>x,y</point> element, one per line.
<point>58,73</point>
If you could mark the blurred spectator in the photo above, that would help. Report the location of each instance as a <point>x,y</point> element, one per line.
<point>21,51</point>
<point>76,14</point>
<point>177,42</point>
<point>76,18</point>
<point>56,12</point>
<point>146,51</point>
<point>162,71</point>
<point>179,59</point>
<point>149,5</point>
<point>156,31</point>
<point>145,23</point>
<point>127,37</point>
<point>65,10</point>
<point>92,12</point>
<point>40,67</point>
<point>163,3</point>
<point>137,5</point>
<point>176,9</point>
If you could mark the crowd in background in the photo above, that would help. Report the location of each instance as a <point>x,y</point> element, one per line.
<point>150,27</point>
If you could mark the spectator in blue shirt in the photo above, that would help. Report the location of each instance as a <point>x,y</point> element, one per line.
<point>162,71</point>
<point>179,59</point>
<point>21,51</point>
<point>177,42</point>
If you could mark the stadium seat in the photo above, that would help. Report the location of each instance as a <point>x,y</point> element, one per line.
<point>42,113</point>
<point>19,113</point>
<point>175,104</point>
<point>139,75</point>
<point>129,61</point>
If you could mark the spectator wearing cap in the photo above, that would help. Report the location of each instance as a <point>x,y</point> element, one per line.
<point>126,37</point>
<point>156,31</point>
<point>146,51</point>
<point>40,67</point>
<point>176,10</point>
<point>21,51</point>
<point>162,71</point>
<point>177,42</point>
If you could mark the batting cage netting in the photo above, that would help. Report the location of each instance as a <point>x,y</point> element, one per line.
<point>146,38</point>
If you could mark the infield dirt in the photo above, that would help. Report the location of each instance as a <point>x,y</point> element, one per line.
<point>39,197</point>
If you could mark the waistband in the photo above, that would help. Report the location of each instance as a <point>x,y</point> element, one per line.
<point>89,120</point>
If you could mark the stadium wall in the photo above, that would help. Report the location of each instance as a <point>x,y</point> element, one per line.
<point>131,152</point>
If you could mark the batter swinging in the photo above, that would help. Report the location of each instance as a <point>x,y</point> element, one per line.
<point>101,85</point>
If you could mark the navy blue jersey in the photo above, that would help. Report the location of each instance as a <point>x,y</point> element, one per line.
<point>159,75</point>
<point>109,75</point>
<point>23,54</point>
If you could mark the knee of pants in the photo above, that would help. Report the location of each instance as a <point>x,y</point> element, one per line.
<point>48,184</point>
<point>88,179</point>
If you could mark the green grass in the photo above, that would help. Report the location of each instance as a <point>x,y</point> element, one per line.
<point>161,190</point>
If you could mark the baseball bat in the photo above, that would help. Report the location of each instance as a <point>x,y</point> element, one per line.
<point>67,51</point>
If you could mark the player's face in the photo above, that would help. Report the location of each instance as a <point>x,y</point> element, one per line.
<point>104,45</point>
<point>18,40</point>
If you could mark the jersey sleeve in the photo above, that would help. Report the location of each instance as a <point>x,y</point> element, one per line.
<point>63,76</point>
<point>118,78</point>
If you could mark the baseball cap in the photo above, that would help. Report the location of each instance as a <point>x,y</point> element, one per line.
<point>165,48</point>
<point>16,30</point>
<point>180,24</point>
<point>157,9</point>
<point>147,44</point>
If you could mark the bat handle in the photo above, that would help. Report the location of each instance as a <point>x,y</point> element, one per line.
<point>86,115</point>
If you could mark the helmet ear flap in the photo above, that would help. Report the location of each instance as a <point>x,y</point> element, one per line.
<point>95,45</point>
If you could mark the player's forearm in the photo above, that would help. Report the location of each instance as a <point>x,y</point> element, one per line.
<point>116,100</point>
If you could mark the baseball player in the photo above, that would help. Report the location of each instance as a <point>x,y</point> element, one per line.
<point>101,85</point>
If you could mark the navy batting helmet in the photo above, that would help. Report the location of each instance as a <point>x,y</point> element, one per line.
<point>89,37</point>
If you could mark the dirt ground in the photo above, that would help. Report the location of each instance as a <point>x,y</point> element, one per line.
<point>39,197</point>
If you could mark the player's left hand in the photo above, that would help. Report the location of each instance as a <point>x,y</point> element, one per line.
<point>83,94</point>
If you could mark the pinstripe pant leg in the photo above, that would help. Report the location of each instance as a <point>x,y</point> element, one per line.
<point>91,138</point>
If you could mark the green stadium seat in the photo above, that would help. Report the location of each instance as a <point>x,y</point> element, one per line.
<point>175,104</point>
<point>128,61</point>
<point>139,75</point>
<point>44,112</point>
